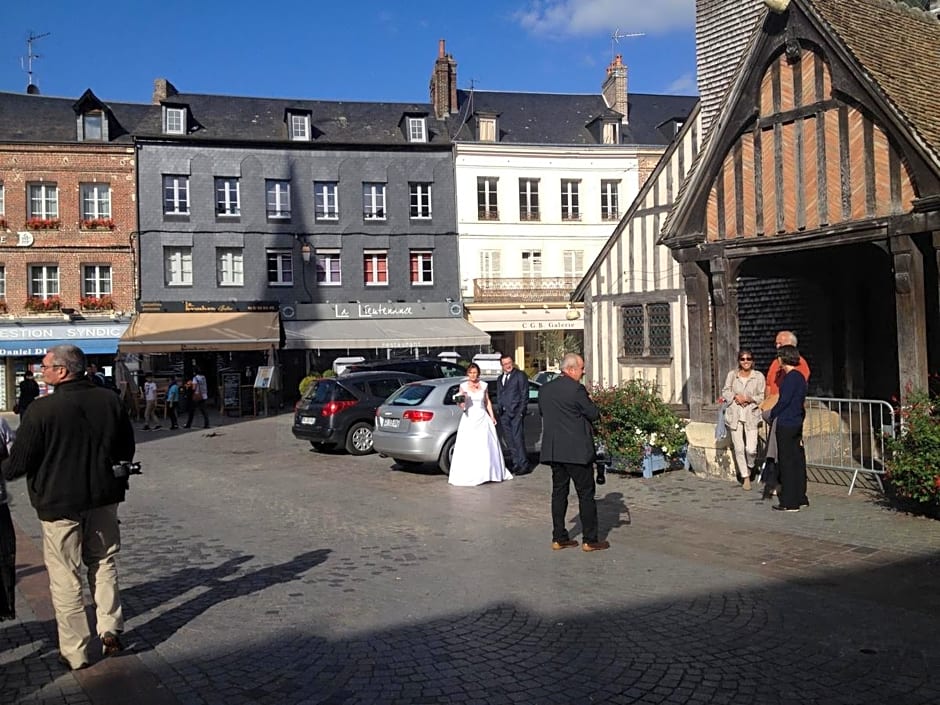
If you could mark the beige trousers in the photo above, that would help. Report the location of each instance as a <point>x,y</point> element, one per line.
<point>92,537</point>
<point>744,444</point>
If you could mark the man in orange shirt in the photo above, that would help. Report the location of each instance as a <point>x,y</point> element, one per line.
<point>776,372</point>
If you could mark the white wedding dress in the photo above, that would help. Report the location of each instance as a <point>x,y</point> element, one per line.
<point>478,457</point>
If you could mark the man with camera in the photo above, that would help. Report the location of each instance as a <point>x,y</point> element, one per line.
<point>74,447</point>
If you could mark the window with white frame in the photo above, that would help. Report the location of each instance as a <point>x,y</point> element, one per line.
<point>278,198</point>
<point>373,201</point>
<point>96,280</point>
<point>487,204</point>
<point>280,267</point>
<point>528,199</point>
<point>611,133</point>
<point>93,126</point>
<point>417,129</point>
<point>610,199</point>
<point>43,281</point>
<point>329,268</point>
<point>647,330</point>
<point>230,266</point>
<point>43,201</point>
<point>227,196</point>
<point>419,200</point>
<point>178,266</point>
<point>573,263</point>
<point>531,264</point>
<point>487,127</point>
<point>174,121</point>
<point>96,201</point>
<point>489,264</point>
<point>175,195</point>
<point>300,127</point>
<point>375,267</point>
<point>326,200</point>
<point>422,267</point>
<point>3,281</point>
<point>569,199</point>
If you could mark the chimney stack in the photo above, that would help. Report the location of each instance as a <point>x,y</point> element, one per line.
<point>444,84</point>
<point>614,89</point>
<point>162,89</point>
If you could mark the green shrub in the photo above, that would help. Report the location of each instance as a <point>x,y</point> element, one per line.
<point>634,416</point>
<point>329,373</point>
<point>913,462</point>
<point>307,381</point>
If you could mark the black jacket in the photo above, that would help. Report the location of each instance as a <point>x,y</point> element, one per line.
<point>513,397</point>
<point>567,413</point>
<point>66,446</point>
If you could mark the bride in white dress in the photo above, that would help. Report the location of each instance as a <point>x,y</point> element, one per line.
<point>478,457</point>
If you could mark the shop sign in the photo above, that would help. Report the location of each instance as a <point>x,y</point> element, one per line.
<point>208,306</point>
<point>61,332</point>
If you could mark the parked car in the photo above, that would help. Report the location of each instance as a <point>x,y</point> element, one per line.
<point>339,412</point>
<point>545,376</point>
<point>418,423</point>
<point>429,368</point>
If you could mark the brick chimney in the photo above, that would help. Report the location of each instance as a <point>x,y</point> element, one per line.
<point>162,89</point>
<point>444,84</point>
<point>723,29</point>
<point>614,89</point>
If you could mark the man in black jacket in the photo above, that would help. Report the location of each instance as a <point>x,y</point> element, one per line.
<point>568,446</point>
<point>512,398</point>
<point>66,447</point>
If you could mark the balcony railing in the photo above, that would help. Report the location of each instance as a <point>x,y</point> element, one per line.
<point>523,290</point>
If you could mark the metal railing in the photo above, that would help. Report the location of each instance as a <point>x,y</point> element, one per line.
<point>848,435</point>
<point>523,289</point>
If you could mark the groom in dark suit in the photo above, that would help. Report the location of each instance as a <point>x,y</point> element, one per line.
<point>568,446</point>
<point>512,397</point>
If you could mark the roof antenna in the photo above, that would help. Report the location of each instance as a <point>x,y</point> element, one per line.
<point>31,88</point>
<point>618,35</point>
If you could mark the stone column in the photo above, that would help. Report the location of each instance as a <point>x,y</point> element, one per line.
<point>724,272</point>
<point>699,385</point>
<point>910,308</point>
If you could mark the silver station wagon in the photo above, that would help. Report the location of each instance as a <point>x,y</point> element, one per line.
<point>418,423</point>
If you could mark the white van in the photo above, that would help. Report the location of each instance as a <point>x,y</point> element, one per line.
<point>488,363</point>
<point>341,363</point>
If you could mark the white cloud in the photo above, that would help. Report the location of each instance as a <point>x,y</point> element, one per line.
<point>684,85</point>
<point>579,17</point>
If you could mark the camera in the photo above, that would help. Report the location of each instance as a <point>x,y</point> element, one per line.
<point>459,398</point>
<point>125,468</point>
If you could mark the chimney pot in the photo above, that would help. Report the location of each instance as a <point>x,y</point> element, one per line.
<point>440,49</point>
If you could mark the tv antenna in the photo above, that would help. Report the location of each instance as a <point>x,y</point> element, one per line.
<point>28,66</point>
<point>618,35</point>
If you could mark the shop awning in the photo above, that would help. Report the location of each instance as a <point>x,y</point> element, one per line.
<point>184,332</point>
<point>383,333</point>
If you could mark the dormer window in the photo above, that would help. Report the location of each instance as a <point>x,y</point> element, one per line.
<point>611,133</point>
<point>93,126</point>
<point>487,129</point>
<point>174,121</point>
<point>417,129</point>
<point>299,126</point>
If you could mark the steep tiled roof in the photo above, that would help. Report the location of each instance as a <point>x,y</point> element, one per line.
<point>897,46</point>
<point>563,119</point>
<point>39,118</point>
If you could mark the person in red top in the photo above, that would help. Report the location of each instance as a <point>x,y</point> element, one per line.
<point>776,373</point>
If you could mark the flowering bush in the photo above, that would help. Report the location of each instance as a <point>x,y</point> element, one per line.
<point>38,304</point>
<point>97,224</point>
<point>96,303</point>
<point>634,417</point>
<point>913,462</point>
<point>43,223</point>
<point>307,381</point>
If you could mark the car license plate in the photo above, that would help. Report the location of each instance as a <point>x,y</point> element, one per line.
<point>390,423</point>
<point>308,420</point>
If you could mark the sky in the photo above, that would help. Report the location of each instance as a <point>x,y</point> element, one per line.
<point>365,50</point>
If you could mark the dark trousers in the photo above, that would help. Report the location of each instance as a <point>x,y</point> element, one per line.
<point>514,439</point>
<point>791,463</point>
<point>171,412</point>
<point>583,478</point>
<point>201,405</point>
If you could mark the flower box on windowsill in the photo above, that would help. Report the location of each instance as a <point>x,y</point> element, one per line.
<point>34,304</point>
<point>97,303</point>
<point>43,223</point>
<point>97,224</point>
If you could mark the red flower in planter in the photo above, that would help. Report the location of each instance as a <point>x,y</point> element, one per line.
<point>97,224</point>
<point>96,303</point>
<point>37,304</point>
<point>43,223</point>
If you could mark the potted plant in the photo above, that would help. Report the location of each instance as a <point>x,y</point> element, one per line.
<point>96,303</point>
<point>37,304</point>
<point>638,430</point>
<point>912,465</point>
<point>43,223</point>
<point>97,224</point>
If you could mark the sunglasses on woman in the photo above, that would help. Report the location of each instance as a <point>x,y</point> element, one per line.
<point>744,359</point>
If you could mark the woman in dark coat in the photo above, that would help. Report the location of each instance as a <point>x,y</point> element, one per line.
<point>788,414</point>
<point>7,536</point>
<point>29,390</point>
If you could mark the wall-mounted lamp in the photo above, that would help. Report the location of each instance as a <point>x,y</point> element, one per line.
<point>572,314</point>
<point>305,251</point>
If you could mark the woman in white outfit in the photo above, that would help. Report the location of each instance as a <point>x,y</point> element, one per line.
<point>743,392</point>
<point>478,457</point>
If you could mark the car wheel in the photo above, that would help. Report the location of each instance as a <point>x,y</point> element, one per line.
<point>447,455</point>
<point>359,439</point>
<point>321,447</point>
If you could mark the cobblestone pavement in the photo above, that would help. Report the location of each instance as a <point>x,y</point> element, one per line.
<point>255,570</point>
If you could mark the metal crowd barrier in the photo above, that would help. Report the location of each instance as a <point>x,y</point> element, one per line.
<point>848,435</point>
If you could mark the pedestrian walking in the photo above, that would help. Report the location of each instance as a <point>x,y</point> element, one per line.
<point>743,392</point>
<point>29,391</point>
<point>150,404</point>
<point>173,402</point>
<point>7,535</point>
<point>200,390</point>
<point>67,447</point>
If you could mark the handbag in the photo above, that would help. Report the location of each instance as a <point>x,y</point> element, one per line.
<point>196,395</point>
